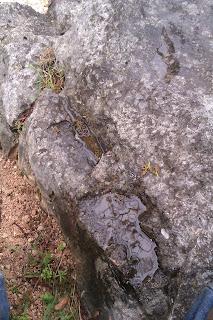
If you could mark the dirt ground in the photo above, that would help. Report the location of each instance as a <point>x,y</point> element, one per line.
<point>34,257</point>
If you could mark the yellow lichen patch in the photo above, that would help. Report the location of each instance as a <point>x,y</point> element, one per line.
<point>149,168</point>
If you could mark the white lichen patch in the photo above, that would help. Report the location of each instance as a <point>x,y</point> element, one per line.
<point>38,5</point>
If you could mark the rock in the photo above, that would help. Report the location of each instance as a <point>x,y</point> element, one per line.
<point>132,125</point>
<point>112,221</point>
<point>40,228</point>
<point>52,148</point>
<point>61,160</point>
<point>22,40</point>
<point>34,253</point>
<point>8,141</point>
<point>141,74</point>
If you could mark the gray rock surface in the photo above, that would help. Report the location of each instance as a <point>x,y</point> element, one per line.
<point>57,157</point>
<point>134,120</point>
<point>23,35</point>
<point>141,72</point>
<point>61,163</point>
<point>112,220</point>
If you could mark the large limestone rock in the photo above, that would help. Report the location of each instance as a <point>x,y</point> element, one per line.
<point>132,130</point>
<point>141,73</point>
<point>105,227</point>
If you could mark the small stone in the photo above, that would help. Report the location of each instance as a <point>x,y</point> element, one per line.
<point>26,219</point>
<point>34,212</point>
<point>40,228</point>
<point>34,253</point>
<point>164,234</point>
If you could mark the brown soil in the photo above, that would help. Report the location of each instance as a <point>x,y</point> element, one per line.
<point>26,234</point>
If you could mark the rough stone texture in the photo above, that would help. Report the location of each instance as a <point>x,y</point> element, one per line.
<point>61,163</point>
<point>112,220</point>
<point>58,159</point>
<point>23,35</point>
<point>38,5</point>
<point>141,72</point>
<point>138,90</point>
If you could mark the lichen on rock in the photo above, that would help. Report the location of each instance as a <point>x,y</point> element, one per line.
<point>112,220</point>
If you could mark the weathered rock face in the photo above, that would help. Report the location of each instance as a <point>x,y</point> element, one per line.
<point>130,249</point>
<point>105,227</point>
<point>133,123</point>
<point>141,72</point>
<point>24,34</point>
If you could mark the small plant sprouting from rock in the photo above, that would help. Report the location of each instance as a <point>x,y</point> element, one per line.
<point>51,75</point>
<point>18,127</point>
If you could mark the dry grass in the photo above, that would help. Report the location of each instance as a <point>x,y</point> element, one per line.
<point>51,74</point>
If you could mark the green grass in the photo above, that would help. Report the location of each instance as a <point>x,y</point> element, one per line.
<point>15,290</point>
<point>21,317</point>
<point>49,271</point>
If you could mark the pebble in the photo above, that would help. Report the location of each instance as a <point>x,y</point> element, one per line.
<point>4,235</point>
<point>40,228</point>
<point>26,219</point>
<point>164,233</point>
<point>34,253</point>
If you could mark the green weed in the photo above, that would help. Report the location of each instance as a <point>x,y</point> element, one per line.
<point>47,274</point>
<point>47,259</point>
<point>61,247</point>
<point>15,290</point>
<point>48,269</point>
<point>21,317</point>
<point>61,275</point>
<point>47,298</point>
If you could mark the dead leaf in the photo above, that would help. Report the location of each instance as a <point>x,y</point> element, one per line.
<point>62,304</point>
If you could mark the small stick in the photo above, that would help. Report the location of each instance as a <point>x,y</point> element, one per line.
<point>20,228</point>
